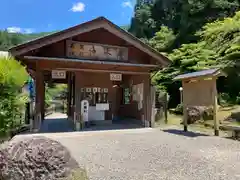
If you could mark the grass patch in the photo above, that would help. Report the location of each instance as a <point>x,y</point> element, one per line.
<point>207,126</point>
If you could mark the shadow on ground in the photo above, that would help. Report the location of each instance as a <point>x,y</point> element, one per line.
<point>113,126</point>
<point>64,125</point>
<point>183,133</point>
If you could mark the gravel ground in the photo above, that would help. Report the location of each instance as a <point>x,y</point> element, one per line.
<point>151,154</point>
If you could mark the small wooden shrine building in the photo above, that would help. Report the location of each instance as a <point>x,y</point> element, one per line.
<point>199,89</point>
<point>99,61</point>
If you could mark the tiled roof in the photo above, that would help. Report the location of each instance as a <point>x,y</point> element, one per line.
<point>197,74</point>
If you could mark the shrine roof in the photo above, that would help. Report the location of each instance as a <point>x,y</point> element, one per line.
<point>97,23</point>
<point>208,72</point>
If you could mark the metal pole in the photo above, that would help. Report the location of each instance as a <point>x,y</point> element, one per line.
<point>185,123</point>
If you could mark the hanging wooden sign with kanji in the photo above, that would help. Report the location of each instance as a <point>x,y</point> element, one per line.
<point>77,49</point>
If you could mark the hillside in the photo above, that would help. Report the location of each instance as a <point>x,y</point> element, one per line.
<point>8,40</point>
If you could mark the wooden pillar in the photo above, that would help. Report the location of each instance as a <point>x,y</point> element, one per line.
<point>149,102</point>
<point>185,116</point>
<point>77,97</point>
<point>69,97</point>
<point>113,103</point>
<point>73,94</point>
<point>185,123</point>
<point>146,101</point>
<point>216,121</point>
<point>165,108</point>
<point>39,99</point>
<point>152,103</point>
<point>42,98</point>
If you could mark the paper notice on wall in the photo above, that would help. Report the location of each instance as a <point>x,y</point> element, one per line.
<point>134,97</point>
<point>139,89</point>
<point>141,92</point>
<point>140,105</point>
<point>141,97</point>
<point>134,87</point>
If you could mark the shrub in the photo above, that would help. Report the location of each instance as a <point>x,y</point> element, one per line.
<point>179,109</point>
<point>12,100</point>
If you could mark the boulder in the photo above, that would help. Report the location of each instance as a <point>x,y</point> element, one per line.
<point>37,158</point>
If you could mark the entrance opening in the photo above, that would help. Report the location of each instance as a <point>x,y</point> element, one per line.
<point>55,98</point>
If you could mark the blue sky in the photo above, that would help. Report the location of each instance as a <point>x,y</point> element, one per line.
<point>29,16</point>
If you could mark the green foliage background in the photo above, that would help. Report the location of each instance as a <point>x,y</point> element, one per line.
<point>194,35</point>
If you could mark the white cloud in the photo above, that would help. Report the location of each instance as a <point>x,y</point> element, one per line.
<point>78,7</point>
<point>14,29</point>
<point>28,31</point>
<point>127,4</point>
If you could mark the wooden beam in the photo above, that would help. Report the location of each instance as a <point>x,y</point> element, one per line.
<point>91,61</point>
<point>102,71</point>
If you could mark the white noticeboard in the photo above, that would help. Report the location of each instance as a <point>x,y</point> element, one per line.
<point>57,74</point>
<point>102,107</point>
<point>115,77</point>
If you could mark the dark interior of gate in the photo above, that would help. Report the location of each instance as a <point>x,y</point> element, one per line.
<point>101,63</point>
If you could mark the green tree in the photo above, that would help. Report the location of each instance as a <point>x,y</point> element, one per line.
<point>184,17</point>
<point>219,46</point>
<point>188,58</point>
<point>163,39</point>
<point>223,36</point>
<point>142,24</point>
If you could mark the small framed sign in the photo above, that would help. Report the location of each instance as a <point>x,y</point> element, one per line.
<point>115,77</point>
<point>95,90</point>
<point>82,89</point>
<point>88,90</point>
<point>57,74</point>
<point>105,90</point>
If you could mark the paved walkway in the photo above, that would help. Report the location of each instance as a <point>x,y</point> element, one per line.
<point>56,122</point>
<point>151,154</point>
